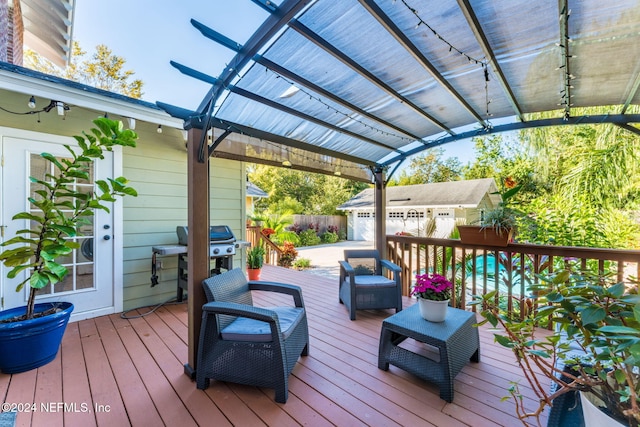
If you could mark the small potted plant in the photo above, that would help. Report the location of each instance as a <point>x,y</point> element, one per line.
<point>30,336</point>
<point>498,225</point>
<point>433,293</point>
<point>255,260</point>
<point>594,347</point>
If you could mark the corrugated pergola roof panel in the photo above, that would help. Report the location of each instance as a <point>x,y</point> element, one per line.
<point>296,54</point>
<point>382,80</point>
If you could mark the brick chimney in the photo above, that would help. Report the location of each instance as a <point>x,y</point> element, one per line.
<point>11,32</point>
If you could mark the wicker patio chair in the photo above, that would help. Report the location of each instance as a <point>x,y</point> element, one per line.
<point>244,344</point>
<point>362,284</point>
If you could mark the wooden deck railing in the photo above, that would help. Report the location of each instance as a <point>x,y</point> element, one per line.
<point>474,271</point>
<point>272,251</point>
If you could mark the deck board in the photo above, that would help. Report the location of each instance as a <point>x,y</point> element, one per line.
<point>135,365</point>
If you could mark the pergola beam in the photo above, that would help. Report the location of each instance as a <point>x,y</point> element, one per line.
<point>476,28</point>
<point>616,119</point>
<point>328,94</point>
<point>274,23</point>
<point>413,50</point>
<point>563,7</point>
<point>289,142</point>
<point>348,61</point>
<point>226,125</point>
<point>270,103</point>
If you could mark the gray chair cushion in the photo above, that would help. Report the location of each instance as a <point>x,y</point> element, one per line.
<point>245,329</point>
<point>373,281</point>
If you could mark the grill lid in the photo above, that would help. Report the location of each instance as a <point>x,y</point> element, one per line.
<point>217,234</point>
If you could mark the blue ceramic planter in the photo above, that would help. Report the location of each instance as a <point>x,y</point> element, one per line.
<point>32,343</point>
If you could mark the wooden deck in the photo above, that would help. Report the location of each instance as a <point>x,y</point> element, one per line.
<point>118,372</point>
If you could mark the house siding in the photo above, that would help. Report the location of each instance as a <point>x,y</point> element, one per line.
<point>157,169</point>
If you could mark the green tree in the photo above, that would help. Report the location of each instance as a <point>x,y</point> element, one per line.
<point>594,164</point>
<point>316,194</point>
<point>102,70</point>
<point>591,178</point>
<point>429,167</point>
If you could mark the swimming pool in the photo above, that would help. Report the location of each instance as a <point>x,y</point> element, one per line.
<point>508,274</point>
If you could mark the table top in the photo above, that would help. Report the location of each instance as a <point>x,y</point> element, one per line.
<point>410,320</point>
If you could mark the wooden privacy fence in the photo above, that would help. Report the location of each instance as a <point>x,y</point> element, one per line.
<point>322,222</point>
<point>477,270</point>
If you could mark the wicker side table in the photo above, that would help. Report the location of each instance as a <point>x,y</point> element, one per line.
<point>456,339</point>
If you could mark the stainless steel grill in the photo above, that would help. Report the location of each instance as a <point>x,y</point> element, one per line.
<point>222,248</point>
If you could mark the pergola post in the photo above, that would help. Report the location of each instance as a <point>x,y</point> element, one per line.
<point>198,243</point>
<point>380,217</point>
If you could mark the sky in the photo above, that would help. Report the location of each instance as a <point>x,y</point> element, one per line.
<point>150,33</point>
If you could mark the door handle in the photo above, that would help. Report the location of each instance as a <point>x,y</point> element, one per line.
<point>107,237</point>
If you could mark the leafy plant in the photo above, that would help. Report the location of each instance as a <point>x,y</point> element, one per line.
<point>60,209</point>
<point>597,335</point>
<point>255,257</point>
<point>329,237</point>
<point>288,256</point>
<point>309,237</point>
<point>432,287</point>
<point>301,263</point>
<point>503,217</point>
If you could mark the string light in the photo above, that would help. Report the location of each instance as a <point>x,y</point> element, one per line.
<point>32,102</point>
<point>328,106</point>
<point>159,130</point>
<point>342,113</point>
<point>60,108</point>
<point>483,63</point>
<point>421,21</point>
<point>565,41</point>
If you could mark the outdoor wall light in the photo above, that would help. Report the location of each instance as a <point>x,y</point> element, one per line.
<point>32,102</point>
<point>132,123</point>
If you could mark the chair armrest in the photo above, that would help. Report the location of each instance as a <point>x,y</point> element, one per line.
<point>283,288</point>
<point>240,310</point>
<point>346,270</point>
<point>344,265</point>
<point>385,263</point>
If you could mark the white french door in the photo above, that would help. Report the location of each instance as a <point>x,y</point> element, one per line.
<point>89,283</point>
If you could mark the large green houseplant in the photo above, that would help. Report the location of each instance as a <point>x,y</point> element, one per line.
<point>58,210</point>
<point>596,333</point>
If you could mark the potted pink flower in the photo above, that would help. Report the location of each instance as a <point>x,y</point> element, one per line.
<point>433,293</point>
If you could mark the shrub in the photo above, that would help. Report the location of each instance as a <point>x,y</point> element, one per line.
<point>309,238</point>
<point>329,237</point>
<point>289,254</point>
<point>302,263</point>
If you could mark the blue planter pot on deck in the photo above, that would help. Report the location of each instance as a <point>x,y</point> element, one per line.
<point>29,344</point>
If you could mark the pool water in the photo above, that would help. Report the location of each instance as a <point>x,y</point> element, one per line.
<point>502,275</point>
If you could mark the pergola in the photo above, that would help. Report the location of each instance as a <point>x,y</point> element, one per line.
<point>355,87</point>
